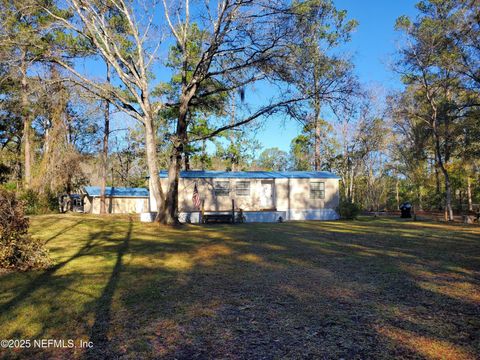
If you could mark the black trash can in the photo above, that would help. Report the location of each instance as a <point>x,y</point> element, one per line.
<point>406,209</point>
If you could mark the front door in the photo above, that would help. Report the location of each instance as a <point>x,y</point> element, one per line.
<point>266,196</point>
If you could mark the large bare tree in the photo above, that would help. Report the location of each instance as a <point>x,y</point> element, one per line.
<point>119,32</point>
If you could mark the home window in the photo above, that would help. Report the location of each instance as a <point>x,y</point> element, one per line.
<point>242,188</point>
<point>221,188</point>
<point>77,202</point>
<point>317,190</point>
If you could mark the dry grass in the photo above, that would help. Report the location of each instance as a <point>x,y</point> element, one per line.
<point>379,288</point>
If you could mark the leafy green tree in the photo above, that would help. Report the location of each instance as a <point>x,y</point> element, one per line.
<point>411,150</point>
<point>428,64</point>
<point>11,126</point>
<point>327,77</point>
<point>273,159</point>
<point>301,153</point>
<point>236,150</point>
<point>28,38</point>
<point>199,111</point>
<point>309,154</point>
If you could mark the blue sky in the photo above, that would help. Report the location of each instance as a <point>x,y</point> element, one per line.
<point>372,46</point>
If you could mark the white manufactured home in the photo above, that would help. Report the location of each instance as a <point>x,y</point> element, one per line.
<point>262,196</point>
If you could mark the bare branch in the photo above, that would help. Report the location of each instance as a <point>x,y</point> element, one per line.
<point>267,110</point>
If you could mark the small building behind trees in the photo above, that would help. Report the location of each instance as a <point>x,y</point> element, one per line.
<point>119,200</point>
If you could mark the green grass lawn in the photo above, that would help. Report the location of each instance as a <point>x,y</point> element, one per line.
<point>380,288</point>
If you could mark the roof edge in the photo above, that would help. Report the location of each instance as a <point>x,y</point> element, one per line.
<point>196,174</point>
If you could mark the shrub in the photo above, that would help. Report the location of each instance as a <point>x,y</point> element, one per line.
<point>31,201</point>
<point>10,186</point>
<point>348,210</point>
<point>18,250</point>
<point>50,202</point>
<point>36,204</point>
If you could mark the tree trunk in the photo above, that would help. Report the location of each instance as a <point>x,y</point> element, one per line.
<point>233,158</point>
<point>441,165</point>
<point>27,125</point>
<point>397,193</point>
<point>420,198</point>
<point>469,193</point>
<point>437,180</point>
<point>351,197</point>
<point>154,185</point>
<point>346,186</point>
<point>204,154</point>
<point>448,189</point>
<point>345,165</point>
<point>18,167</point>
<point>170,213</point>
<point>448,196</point>
<point>317,109</point>
<point>318,132</point>
<point>317,162</point>
<point>106,133</point>
<point>186,153</point>
<point>187,161</point>
<point>170,208</point>
<point>27,152</point>
<point>460,199</point>
<point>353,193</point>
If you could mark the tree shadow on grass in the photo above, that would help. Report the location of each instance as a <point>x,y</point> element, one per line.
<point>293,290</point>
<point>63,231</point>
<point>103,312</point>
<point>263,293</point>
<point>45,277</point>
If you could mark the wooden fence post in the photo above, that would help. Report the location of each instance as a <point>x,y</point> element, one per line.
<point>202,212</point>
<point>233,211</point>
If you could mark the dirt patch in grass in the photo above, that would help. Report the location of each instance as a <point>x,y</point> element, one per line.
<point>382,288</point>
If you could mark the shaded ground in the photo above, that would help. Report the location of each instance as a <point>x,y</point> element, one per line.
<point>428,215</point>
<point>380,288</point>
